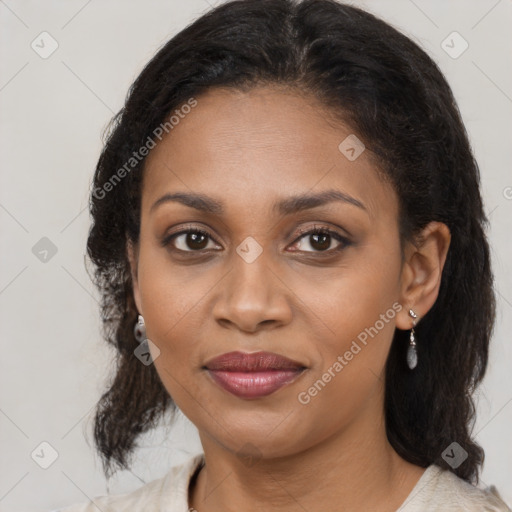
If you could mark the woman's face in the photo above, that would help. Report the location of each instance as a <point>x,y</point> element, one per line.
<point>258,282</point>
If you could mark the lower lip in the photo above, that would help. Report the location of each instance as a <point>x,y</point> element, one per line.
<point>253,384</point>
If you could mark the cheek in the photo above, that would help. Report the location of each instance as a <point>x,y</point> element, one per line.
<point>361,309</point>
<point>359,303</point>
<point>171,298</point>
<point>170,293</point>
<point>356,301</point>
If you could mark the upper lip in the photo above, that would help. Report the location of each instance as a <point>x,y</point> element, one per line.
<point>252,362</point>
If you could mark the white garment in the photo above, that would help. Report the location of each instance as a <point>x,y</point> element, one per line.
<point>437,490</point>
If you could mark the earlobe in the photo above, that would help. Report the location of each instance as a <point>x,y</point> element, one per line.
<point>422,271</point>
<point>132,254</point>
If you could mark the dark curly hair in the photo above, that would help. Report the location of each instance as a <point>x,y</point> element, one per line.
<point>396,99</point>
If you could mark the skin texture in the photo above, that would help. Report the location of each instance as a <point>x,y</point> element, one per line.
<point>248,150</point>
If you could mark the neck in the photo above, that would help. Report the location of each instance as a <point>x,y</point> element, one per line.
<point>357,468</point>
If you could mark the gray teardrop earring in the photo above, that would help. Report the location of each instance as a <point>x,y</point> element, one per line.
<point>139,331</point>
<point>412,354</point>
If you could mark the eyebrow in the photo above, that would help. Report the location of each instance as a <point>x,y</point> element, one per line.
<point>287,206</point>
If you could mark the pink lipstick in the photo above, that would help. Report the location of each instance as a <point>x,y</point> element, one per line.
<point>253,375</point>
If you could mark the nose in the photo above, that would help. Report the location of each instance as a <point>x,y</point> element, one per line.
<point>253,297</point>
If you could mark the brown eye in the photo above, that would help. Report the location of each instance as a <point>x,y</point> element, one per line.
<point>191,240</point>
<point>321,240</point>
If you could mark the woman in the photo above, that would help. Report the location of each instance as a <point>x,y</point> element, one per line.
<point>280,213</point>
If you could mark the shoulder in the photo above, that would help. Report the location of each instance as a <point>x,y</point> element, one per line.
<point>441,490</point>
<point>171,490</point>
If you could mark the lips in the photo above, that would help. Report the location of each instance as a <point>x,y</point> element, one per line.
<point>253,375</point>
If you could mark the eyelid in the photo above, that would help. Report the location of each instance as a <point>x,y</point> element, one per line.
<point>321,227</point>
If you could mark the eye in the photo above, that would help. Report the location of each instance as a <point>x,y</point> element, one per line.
<point>190,240</point>
<point>320,239</point>
<point>316,240</point>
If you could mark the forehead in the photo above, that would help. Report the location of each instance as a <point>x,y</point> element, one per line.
<point>251,147</point>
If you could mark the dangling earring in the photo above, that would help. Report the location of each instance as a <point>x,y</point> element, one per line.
<point>412,355</point>
<point>139,331</point>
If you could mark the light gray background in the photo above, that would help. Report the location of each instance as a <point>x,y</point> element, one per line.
<point>53,362</point>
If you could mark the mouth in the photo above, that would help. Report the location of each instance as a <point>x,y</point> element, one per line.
<point>253,375</point>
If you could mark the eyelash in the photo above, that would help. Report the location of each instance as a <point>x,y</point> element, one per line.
<point>344,242</point>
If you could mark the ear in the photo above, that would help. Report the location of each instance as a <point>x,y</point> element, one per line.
<point>421,272</point>
<point>133,258</point>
